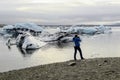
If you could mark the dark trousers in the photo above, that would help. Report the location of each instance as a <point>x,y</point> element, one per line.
<point>79,49</point>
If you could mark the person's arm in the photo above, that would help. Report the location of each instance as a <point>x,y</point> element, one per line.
<point>73,39</point>
<point>79,39</point>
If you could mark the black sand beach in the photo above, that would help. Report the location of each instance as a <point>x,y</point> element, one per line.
<point>88,69</point>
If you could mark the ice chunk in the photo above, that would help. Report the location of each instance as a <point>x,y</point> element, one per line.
<point>27,41</point>
<point>31,26</point>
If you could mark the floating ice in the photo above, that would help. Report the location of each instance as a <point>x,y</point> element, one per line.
<point>11,29</point>
<point>8,27</point>
<point>27,41</point>
<point>30,26</point>
<point>86,30</point>
<point>102,29</point>
<point>54,33</point>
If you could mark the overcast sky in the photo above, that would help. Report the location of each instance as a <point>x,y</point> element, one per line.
<point>60,11</point>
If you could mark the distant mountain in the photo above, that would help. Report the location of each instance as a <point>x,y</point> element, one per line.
<point>116,24</point>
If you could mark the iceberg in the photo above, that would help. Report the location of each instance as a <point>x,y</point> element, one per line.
<point>86,30</point>
<point>27,41</point>
<point>49,34</point>
<point>80,30</point>
<point>102,29</point>
<point>89,30</point>
<point>65,34</point>
<point>25,27</point>
<point>29,26</point>
<point>7,29</point>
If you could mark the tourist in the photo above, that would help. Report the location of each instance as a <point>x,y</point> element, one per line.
<point>77,41</point>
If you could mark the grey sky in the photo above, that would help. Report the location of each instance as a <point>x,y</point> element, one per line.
<point>60,11</point>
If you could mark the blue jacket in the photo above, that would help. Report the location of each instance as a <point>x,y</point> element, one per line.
<point>77,41</point>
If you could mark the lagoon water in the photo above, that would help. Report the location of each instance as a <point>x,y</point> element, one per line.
<point>97,46</point>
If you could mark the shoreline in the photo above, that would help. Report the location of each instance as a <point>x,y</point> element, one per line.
<point>88,69</point>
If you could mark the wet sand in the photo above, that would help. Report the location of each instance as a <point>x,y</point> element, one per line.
<point>88,69</point>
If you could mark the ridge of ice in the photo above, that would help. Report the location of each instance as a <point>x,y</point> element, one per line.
<point>31,26</point>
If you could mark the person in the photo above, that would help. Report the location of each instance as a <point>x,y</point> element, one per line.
<point>77,41</point>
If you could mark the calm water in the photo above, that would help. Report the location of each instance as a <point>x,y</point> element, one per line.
<point>103,45</point>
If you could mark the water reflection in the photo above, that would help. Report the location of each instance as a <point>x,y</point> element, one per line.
<point>26,52</point>
<point>9,47</point>
<point>58,44</point>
